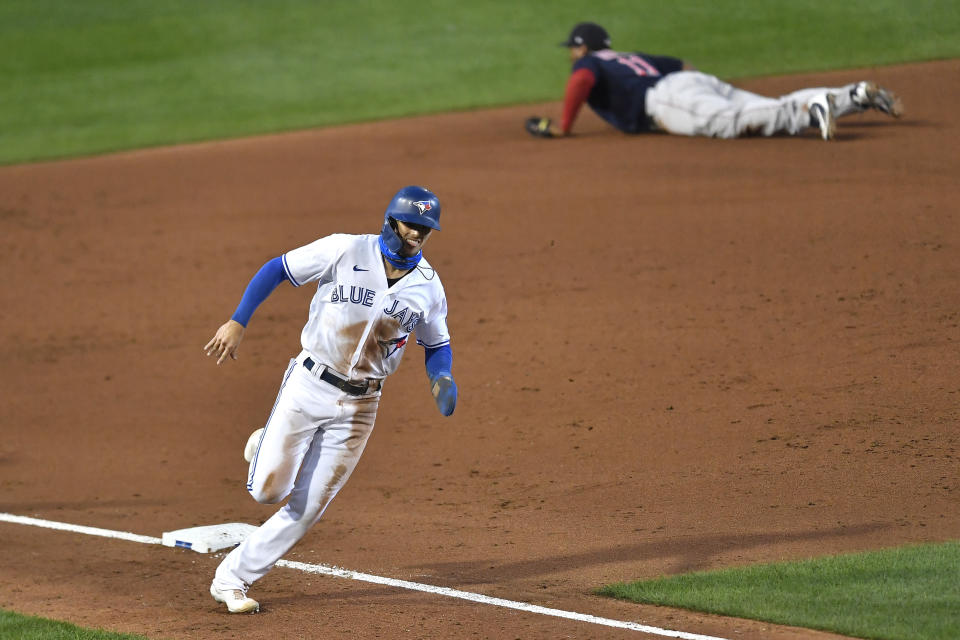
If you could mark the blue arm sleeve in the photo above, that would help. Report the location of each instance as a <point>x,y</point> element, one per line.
<point>438,361</point>
<point>444,389</point>
<point>271,274</point>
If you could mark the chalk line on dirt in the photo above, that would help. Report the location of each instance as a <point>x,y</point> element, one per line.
<point>392,582</point>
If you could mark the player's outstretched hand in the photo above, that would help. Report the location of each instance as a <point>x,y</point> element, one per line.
<point>539,127</point>
<point>444,391</point>
<point>226,341</point>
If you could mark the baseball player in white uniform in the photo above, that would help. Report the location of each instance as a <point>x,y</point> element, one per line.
<point>372,293</point>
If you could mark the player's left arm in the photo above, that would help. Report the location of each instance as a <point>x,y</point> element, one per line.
<point>433,335</point>
<point>439,364</point>
<point>578,90</point>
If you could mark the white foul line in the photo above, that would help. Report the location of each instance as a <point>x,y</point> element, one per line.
<point>392,582</point>
<point>499,602</point>
<point>76,528</point>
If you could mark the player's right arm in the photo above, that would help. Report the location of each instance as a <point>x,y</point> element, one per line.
<point>226,341</point>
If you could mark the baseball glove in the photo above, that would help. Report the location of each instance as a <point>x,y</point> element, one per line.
<point>539,127</point>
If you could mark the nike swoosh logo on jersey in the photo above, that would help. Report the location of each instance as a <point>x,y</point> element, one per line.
<point>357,268</point>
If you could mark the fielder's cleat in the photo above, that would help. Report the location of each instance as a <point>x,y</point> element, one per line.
<point>870,95</point>
<point>253,443</point>
<point>821,115</point>
<point>235,599</point>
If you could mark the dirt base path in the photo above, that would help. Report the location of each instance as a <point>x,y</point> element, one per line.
<point>673,354</point>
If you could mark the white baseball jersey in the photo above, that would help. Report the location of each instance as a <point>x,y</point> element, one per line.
<point>358,325</point>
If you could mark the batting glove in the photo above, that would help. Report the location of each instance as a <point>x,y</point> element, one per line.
<point>444,391</point>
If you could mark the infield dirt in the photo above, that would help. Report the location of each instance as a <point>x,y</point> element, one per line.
<point>673,354</point>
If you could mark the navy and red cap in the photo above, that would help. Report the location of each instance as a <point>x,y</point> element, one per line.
<point>590,34</point>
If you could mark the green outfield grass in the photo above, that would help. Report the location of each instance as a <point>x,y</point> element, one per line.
<point>102,75</point>
<point>13,625</point>
<point>909,593</point>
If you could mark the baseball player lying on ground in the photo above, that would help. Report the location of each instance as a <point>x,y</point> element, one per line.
<point>372,293</point>
<point>636,92</point>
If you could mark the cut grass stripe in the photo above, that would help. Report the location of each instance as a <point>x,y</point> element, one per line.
<point>14,625</point>
<point>908,593</point>
<point>88,77</point>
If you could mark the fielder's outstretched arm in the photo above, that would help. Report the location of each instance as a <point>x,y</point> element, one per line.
<point>226,341</point>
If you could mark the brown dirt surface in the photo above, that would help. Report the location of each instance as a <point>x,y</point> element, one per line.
<point>673,355</point>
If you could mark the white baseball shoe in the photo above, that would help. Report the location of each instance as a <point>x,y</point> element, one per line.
<point>870,95</point>
<point>235,599</point>
<point>822,115</point>
<point>253,443</point>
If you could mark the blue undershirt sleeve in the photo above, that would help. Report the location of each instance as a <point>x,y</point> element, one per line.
<point>270,275</point>
<point>442,387</point>
<point>438,361</point>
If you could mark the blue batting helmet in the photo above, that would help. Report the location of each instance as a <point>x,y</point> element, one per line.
<point>412,205</point>
<point>415,205</point>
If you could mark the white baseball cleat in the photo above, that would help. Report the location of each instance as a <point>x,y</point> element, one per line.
<point>253,443</point>
<point>822,115</point>
<point>870,95</point>
<point>235,599</point>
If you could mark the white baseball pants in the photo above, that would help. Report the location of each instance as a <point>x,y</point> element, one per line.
<point>310,446</point>
<point>690,103</point>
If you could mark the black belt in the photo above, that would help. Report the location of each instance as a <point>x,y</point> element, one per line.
<point>344,385</point>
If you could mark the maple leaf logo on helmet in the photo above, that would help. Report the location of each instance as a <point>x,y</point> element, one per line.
<point>423,205</point>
